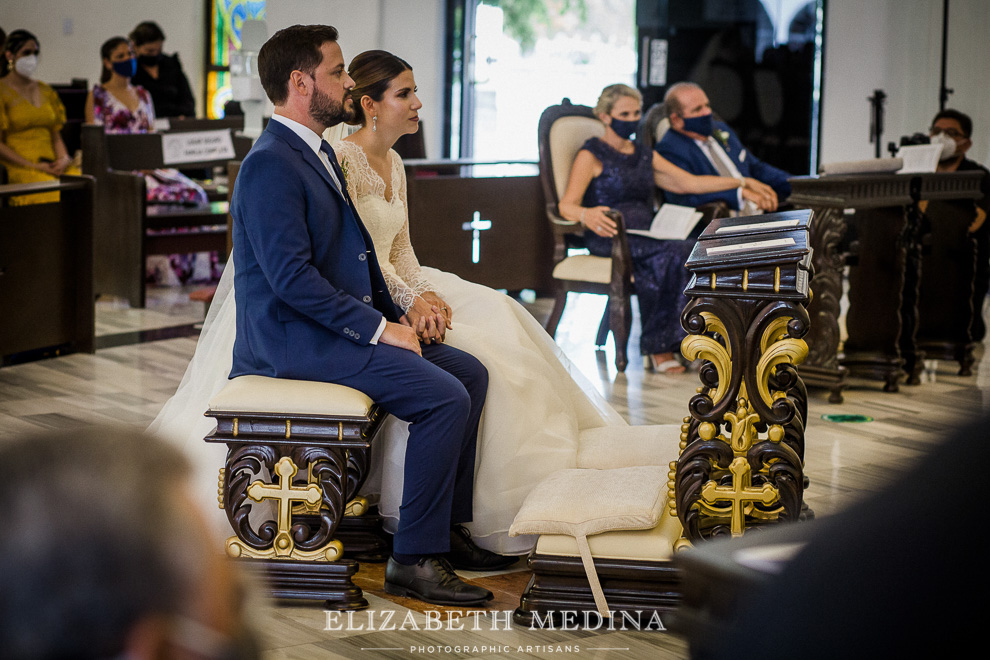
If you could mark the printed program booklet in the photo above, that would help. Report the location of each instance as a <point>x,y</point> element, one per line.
<point>671,223</point>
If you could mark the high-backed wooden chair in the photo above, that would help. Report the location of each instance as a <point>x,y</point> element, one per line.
<point>562,130</point>
<point>653,125</point>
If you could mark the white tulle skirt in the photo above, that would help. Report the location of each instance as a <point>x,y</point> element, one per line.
<point>537,404</point>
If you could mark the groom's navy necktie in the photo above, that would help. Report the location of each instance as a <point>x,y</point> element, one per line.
<point>332,157</point>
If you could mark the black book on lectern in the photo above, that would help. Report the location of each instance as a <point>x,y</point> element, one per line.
<point>753,257</point>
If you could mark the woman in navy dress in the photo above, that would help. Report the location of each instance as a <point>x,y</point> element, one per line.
<point>613,172</point>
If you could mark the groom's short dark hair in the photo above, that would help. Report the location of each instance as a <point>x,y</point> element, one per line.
<point>295,48</point>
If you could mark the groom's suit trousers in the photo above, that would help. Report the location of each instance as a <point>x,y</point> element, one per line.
<point>442,398</point>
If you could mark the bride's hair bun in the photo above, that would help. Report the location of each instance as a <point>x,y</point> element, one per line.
<point>372,72</point>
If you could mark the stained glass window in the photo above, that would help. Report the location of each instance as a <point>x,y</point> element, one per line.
<point>226,19</point>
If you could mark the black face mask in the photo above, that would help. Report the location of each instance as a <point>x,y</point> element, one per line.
<point>624,129</point>
<point>149,60</point>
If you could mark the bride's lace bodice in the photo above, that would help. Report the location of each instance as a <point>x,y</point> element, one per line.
<point>387,220</point>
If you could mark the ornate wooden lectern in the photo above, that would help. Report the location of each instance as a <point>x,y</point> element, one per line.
<point>742,458</point>
<point>884,275</point>
<point>948,267</point>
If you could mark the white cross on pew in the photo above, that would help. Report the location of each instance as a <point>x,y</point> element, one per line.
<point>477,225</point>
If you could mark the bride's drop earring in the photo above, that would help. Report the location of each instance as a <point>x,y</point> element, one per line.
<point>374,124</point>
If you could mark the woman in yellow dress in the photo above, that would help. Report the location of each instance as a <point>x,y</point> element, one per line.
<point>31,118</point>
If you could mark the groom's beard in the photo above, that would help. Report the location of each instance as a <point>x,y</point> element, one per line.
<point>327,112</point>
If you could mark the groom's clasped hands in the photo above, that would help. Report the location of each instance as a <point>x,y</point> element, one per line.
<point>425,321</point>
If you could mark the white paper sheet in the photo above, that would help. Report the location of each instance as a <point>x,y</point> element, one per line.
<point>919,157</point>
<point>671,223</point>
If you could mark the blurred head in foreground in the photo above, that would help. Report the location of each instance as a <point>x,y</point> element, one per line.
<point>104,555</point>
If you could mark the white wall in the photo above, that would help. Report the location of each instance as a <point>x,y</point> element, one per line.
<point>895,45</point>
<point>412,29</point>
<point>969,69</point>
<point>91,22</point>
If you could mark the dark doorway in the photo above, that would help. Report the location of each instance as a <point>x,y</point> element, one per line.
<point>759,61</point>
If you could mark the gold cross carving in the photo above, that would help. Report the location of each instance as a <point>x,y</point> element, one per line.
<point>286,494</point>
<point>739,494</point>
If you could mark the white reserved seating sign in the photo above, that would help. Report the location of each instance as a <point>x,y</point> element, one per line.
<point>755,245</point>
<point>671,223</point>
<point>196,146</point>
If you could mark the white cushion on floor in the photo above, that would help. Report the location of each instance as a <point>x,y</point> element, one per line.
<point>584,268</point>
<point>627,446</point>
<point>581,503</point>
<point>290,397</point>
<point>655,544</point>
<point>585,502</point>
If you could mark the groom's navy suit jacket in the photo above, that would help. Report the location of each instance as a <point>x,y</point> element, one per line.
<point>310,294</point>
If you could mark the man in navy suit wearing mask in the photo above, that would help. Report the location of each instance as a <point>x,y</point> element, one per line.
<point>312,304</point>
<point>699,144</point>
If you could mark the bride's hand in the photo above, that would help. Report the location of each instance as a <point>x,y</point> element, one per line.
<point>427,321</point>
<point>441,306</point>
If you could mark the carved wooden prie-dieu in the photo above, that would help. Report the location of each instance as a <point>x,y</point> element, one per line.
<point>742,449</point>
<point>305,472</point>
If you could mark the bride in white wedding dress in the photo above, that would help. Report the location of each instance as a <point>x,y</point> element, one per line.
<point>538,402</point>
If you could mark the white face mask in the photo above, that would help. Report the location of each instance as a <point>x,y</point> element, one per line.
<point>948,145</point>
<point>26,65</point>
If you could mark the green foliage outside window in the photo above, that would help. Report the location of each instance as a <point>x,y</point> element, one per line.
<point>522,16</point>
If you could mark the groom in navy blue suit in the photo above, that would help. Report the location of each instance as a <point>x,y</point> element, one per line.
<point>312,304</point>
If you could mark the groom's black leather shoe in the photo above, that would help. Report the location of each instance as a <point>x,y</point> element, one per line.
<point>433,580</point>
<point>467,556</point>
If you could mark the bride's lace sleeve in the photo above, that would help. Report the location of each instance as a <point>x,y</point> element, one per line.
<point>403,257</point>
<point>403,276</point>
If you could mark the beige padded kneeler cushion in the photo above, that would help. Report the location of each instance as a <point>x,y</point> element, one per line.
<point>290,397</point>
<point>581,503</point>
<point>585,502</point>
<point>610,447</point>
<point>656,544</point>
